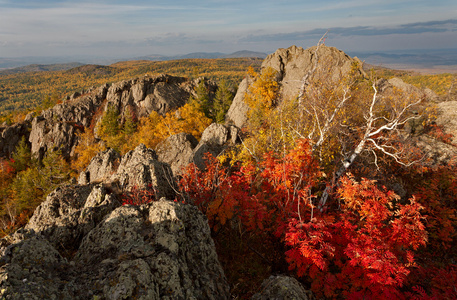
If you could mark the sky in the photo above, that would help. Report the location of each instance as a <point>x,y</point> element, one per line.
<point>129,28</point>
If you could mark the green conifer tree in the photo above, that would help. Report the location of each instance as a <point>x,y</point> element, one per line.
<point>222,101</point>
<point>22,156</point>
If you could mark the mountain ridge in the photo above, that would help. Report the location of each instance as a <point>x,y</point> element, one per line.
<point>18,65</point>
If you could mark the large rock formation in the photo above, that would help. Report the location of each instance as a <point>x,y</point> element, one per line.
<point>161,93</point>
<point>182,149</point>
<point>177,151</point>
<point>56,128</point>
<point>147,94</point>
<point>162,250</point>
<point>137,168</point>
<point>69,213</point>
<point>237,113</point>
<point>215,139</point>
<point>101,167</point>
<point>291,65</point>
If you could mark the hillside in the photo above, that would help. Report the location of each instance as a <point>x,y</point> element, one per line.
<point>26,91</point>
<point>40,68</point>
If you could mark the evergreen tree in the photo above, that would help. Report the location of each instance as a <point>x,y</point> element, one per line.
<point>202,100</point>
<point>109,125</point>
<point>22,156</point>
<point>129,127</point>
<point>222,101</point>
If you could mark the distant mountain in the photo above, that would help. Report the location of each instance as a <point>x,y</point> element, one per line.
<point>37,64</point>
<point>245,53</point>
<point>41,68</point>
<point>92,70</point>
<point>208,55</point>
<point>410,59</point>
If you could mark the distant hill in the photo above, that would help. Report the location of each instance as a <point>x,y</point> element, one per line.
<point>41,68</point>
<point>245,53</point>
<point>206,55</point>
<point>92,70</point>
<point>445,59</point>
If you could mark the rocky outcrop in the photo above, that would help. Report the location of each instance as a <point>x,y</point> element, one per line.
<point>161,93</point>
<point>69,213</point>
<point>49,135</point>
<point>177,151</point>
<point>237,113</point>
<point>56,128</point>
<point>141,168</point>
<point>78,111</point>
<point>386,86</point>
<point>447,117</point>
<point>31,268</point>
<point>282,288</point>
<point>182,149</point>
<point>10,136</point>
<point>162,250</point>
<point>137,168</point>
<point>101,167</point>
<point>292,64</point>
<point>215,139</point>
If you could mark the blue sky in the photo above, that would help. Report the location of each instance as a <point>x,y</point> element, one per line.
<point>134,27</point>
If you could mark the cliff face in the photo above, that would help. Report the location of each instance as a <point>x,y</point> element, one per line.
<point>57,127</point>
<point>291,65</point>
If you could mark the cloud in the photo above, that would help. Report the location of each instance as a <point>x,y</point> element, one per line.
<point>404,29</point>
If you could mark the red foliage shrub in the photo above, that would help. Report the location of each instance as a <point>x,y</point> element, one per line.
<point>137,196</point>
<point>363,250</point>
<point>369,244</point>
<point>437,132</point>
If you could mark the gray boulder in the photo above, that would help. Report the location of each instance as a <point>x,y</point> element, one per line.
<point>161,250</point>
<point>31,268</point>
<point>157,251</point>
<point>177,151</point>
<point>215,139</point>
<point>140,168</point>
<point>237,113</point>
<point>101,167</point>
<point>282,288</point>
<point>69,213</point>
<point>182,149</point>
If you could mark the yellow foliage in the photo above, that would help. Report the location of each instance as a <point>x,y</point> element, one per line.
<point>86,149</point>
<point>147,133</point>
<point>156,128</point>
<point>263,93</point>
